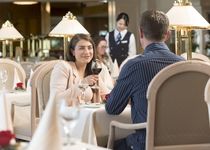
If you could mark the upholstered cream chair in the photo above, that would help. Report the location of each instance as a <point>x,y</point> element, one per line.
<point>26,131</point>
<point>177,113</point>
<point>197,56</point>
<point>39,64</point>
<point>10,66</point>
<point>207,97</point>
<point>43,85</point>
<point>40,86</point>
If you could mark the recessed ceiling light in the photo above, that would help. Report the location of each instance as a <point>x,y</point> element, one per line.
<point>103,1</point>
<point>25,2</point>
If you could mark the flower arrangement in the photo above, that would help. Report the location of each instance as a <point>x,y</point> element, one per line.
<point>19,86</point>
<point>7,140</point>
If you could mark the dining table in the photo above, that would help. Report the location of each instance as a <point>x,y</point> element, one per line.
<point>93,123</point>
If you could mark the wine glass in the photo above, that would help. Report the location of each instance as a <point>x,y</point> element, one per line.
<point>96,68</point>
<point>69,117</point>
<point>83,86</point>
<point>3,77</point>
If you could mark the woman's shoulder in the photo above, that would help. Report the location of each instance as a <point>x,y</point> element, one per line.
<point>63,65</point>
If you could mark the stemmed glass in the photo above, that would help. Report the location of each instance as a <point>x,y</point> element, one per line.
<point>3,77</point>
<point>69,117</point>
<point>83,86</point>
<point>96,68</point>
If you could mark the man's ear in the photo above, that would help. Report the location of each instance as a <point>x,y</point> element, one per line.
<point>141,33</point>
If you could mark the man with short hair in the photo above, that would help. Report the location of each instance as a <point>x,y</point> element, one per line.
<point>137,73</point>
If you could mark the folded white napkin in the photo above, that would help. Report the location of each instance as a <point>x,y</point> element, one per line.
<point>16,78</point>
<point>115,70</point>
<point>5,116</point>
<point>28,88</point>
<point>47,135</point>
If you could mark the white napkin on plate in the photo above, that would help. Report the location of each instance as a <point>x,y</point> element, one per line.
<point>16,78</point>
<point>28,88</point>
<point>47,135</point>
<point>5,116</point>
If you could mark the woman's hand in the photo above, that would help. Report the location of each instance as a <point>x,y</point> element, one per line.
<point>91,79</point>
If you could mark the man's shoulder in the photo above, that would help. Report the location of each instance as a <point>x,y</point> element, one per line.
<point>134,60</point>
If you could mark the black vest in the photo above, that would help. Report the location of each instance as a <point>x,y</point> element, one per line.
<point>120,51</point>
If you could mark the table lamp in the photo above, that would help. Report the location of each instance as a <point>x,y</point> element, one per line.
<point>66,28</point>
<point>184,18</point>
<point>8,33</point>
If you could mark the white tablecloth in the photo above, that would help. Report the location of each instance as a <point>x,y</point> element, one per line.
<point>5,114</point>
<point>93,124</point>
<point>18,97</point>
<point>22,115</point>
<point>7,99</point>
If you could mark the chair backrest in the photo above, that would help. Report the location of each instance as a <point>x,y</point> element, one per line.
<point>197,56</point>
<point>35,104</point>
<point>177,113</point>
<point>43,85</point>
<point>207,97</point>
<point>10,66</point>
<point>38,64</point>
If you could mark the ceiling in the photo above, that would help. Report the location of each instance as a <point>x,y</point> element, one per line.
<point>55,0</point>
<point>86,2</point>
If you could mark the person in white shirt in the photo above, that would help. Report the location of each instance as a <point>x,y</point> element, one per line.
<point>121,42</point>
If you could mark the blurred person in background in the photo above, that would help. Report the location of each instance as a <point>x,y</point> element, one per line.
<point>106,61</point>
<point>101,54</point>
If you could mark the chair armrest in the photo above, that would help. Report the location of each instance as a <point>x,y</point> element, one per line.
<point>126,126</point>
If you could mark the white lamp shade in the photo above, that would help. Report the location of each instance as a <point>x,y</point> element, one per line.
<point>68,27</point>
<point>186,16</point>
<point>8,32</point>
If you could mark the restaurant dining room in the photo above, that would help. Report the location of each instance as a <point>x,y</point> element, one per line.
<point>104,74</point>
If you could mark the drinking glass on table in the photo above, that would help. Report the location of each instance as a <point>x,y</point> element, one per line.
<point>96,68</point>
<point>69,117</point>
<point>3,77</point>
<point>83,86</point>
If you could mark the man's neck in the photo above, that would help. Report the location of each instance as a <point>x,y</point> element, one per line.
<point>146,42</point>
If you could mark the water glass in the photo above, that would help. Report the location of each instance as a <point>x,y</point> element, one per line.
<point>69,117</point>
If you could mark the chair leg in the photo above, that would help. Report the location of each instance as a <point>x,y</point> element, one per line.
<point>111,137</point>
<point>12,112</point>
